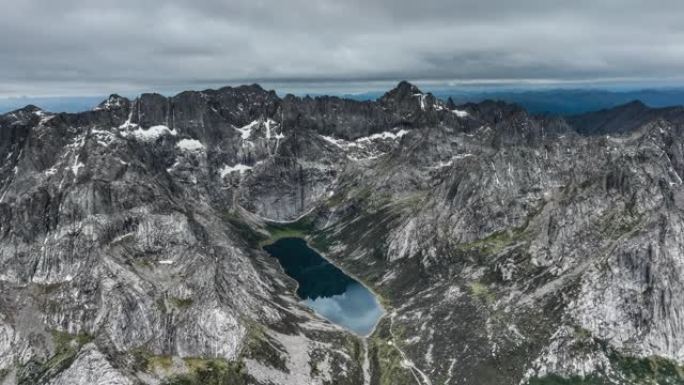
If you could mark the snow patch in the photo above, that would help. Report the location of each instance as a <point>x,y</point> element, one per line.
<point>127,124</point>
<point>461,113</point>
<point>190,145</point>
<point>337,142</point>
<point>421,98</point>
<point>241,168</point>
<point>151,134</point>
<point>384,136</point>
<point>104,138</point>
<point>246,131</point>
<point>450,162</point>
<point>269,122</point>
<point>76,167</point>
<point>51,171</point>
<point>44,117</point>
<point>364,148</point>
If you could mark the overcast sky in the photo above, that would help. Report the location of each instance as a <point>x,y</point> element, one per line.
<point>85,47</point>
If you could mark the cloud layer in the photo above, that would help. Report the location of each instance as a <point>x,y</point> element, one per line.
<point>81,46</point>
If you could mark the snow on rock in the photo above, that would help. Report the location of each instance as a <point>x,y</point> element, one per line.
<point>268,125</point>
<point>241,168</point>
<point>77,166</point>
<point>461,113</point>
<point>44,117</point>
<point>365,148</point>
<point>147,135</point>
<point>113,102</point>
<point>128,124</point>
<point>190,145</point>
<point>173,167</point>
<point>246,131</point>
<point>51,171</point>
<point>421,98</point>
<point>341,143</point>
<point>104,138</point>
<point>450,162</point>
<point>383,136</point>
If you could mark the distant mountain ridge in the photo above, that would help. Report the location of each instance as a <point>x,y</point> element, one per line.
<point>624,118</point>
<point>572,102</point>
<point>554,102</point>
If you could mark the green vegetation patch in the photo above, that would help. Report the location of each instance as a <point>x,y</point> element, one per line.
<point>146,361</point>
<point>386,361</point>
<point>650,370</point>
<point>181,303</point>
<point>389,363</point>
<point>263,349</point>
<point>210,372</point>
<point>66,341</point>
<point>300,229</point>
<point>496,242</point>
<point>619,222</point>
<point>272,232</point>
<point>67,347</point>
<point>4,373</point>
<point>553,379</point>
<point>626,370</point>
<point>159,363</point>
<point>482,292</point>
<point>251,236</point>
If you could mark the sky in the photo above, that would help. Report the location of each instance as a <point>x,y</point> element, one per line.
<point>85,47</point>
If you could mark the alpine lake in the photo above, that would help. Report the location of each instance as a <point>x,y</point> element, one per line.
<point>325,288</point>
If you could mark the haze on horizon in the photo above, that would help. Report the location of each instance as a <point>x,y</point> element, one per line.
<point>79,47</point>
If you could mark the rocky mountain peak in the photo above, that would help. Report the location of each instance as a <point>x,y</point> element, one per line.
<point>114,101</point>
<point>250,90</point>
<point>450,103</point>
<point>402,91</point>
<point>620,119</point>
<point>25,115</point>
<point>635,104</point>
<point>406,98</point>
<point>30,108</point>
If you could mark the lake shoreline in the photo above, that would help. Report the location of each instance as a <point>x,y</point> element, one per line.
<point>355,280</point>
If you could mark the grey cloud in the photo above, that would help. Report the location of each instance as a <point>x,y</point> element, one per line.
<point>81,46</point>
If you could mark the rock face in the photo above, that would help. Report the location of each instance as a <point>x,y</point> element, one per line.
<point>508,248</point>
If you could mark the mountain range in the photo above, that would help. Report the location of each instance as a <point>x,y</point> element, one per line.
<point>555,101</point>
<point>505,247</point>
